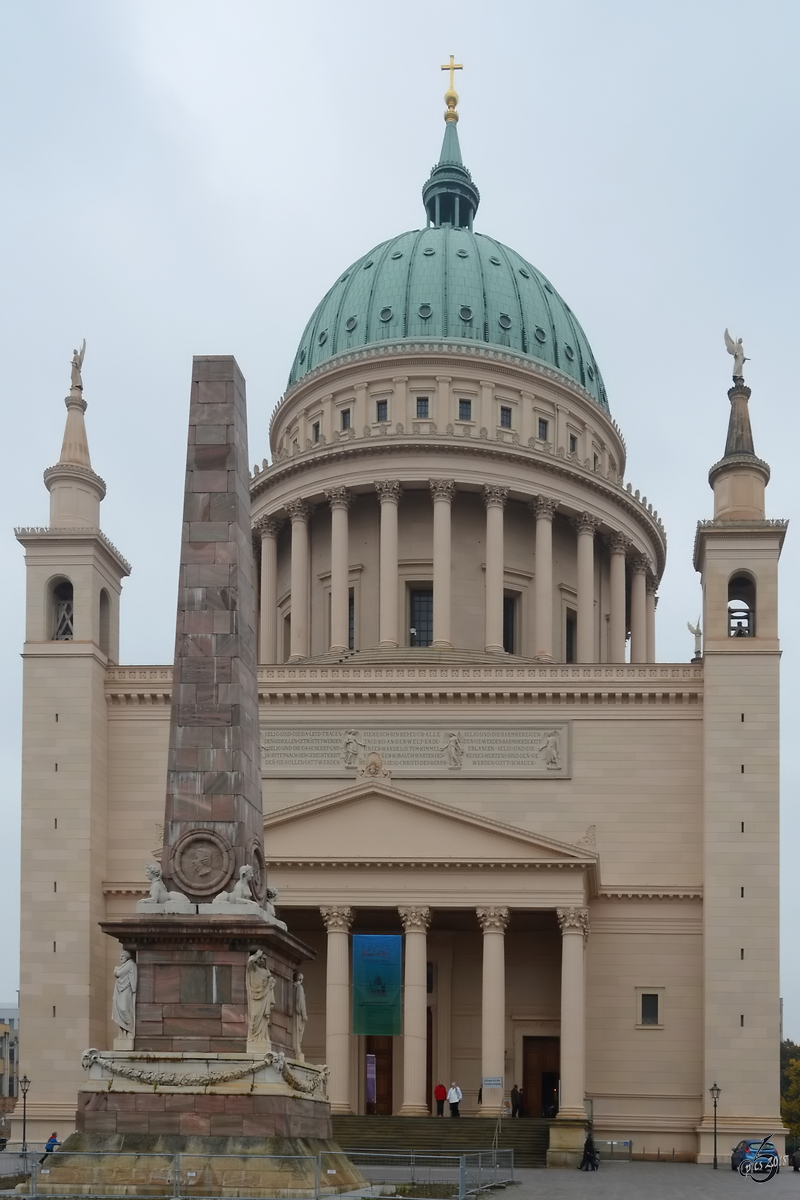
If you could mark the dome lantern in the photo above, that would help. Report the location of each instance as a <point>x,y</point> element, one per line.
<point>449,195</point>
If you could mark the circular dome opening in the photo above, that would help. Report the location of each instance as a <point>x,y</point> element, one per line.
<point>465,312</point>
<point>397,254</point>
<point>425,311</point>
<point>570,353</point>
<point>540,334</point>
<point>428,251</point>
<point>524,273</point>
<point>323,337</point>
<point>462,253</point>
<point>504,321</point>
<point>386,314</point>
<point>350,324</point>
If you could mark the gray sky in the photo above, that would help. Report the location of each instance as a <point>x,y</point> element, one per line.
<point>184,177</point>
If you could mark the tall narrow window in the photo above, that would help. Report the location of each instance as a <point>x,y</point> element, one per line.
<point>351,620</point>
<point>421,625</point>
<point>542,430</point>
<point>105,621</point>
<point>509,623</point>
<point>381,410</point>
<point>63,613</point>
<point>465,410</point>
<point>570,639</point>
<point>505,417</point>
<point>573,444</point>
<point>315,432</point>
<point>650,1008</point>
<point>423,407</point>
<point>741,607</point>
<point>345,418</point>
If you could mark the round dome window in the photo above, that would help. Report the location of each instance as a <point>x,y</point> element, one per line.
<point>425,311</point>
<point>570,353</point>
<point>397,254</point>
<point>590,372</point>
<point>504,321</point>
<point>323,337</point>
<point>428,251</point>
<point>547,288</point>
<point>367,265</point>
<point>495,261</point>
<point>386,314</point>
<point>465,312</point>
<point>462,253</point>
<point>540,334</point>
<point>524,273</point>
<point>350,324</point>
<point>303,355</point>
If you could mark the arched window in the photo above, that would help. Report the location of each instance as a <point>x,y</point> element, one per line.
<point>105,621</point>
<point>62,614</point>
<point>741,606</point>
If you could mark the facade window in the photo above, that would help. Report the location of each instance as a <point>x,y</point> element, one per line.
<point>105,622</point>
<point>505,417</point>
<point>573,444</point>
<point>315,432</point>
<point>351,621</point>
<point>381,410</point>
<point>650,1014</point>
<point>571,636</point>
<point>345,418</point>
<point>63,630</point>
<point>509,623</point>
<point>542,429</point>
<point>465,410</point>
<point>423,407</point>
<point>741,607</point>
<point>421,630</point>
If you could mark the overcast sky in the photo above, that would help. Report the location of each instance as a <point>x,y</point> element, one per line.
<point>183,177</point>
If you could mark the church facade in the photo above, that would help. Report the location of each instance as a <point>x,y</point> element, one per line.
<point>466,735</point>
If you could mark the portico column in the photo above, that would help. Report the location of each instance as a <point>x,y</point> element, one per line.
<point>639,568</point>
<point>269,529</point>
<point>618,547</point>
<point>493,922</point>
<point>652,600</point>
<point>389,492</point>
<point>495,501</point>
<point>585,525</point>
<point>299,512</point>
<point>442,491</point>
<point>415,1011</point>
<point>337,1006</point>
<point>544,509</point>
<point>339,499</point>
<point>574,923</point>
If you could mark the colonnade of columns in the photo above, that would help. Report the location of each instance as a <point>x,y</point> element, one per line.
<point>493,921</point>
<point>543,509</point>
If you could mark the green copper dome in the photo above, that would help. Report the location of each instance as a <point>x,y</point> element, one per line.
<point>448,284</point>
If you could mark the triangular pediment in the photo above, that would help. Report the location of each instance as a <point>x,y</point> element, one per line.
<point>377,822</point>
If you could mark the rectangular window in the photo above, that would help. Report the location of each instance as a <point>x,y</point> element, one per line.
<point>596,461</point>
<point>542,430</point>
<point>315,432</point>
<point>505,417</point>
<point>345,418</point>
<point>351,621</point>
<point>421,630</point>
<point>571,636</point>
<point>465,410</point>
<point>650,1008</point>
<point>573,444</point>
<point>381,410</point>
<point>509,621</point>
<point>423,407</point>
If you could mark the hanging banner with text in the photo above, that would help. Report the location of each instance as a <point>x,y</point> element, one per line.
<point>377,984</point>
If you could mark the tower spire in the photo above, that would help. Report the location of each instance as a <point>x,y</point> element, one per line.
<point>449,195</point>
<point>740,477</point>
<point>75,490</point>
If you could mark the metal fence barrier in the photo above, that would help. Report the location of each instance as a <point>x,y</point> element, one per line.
<point>619,1151</point>
<point>427,1174</point>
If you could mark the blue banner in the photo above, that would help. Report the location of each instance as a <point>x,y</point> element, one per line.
<point>377,984</point>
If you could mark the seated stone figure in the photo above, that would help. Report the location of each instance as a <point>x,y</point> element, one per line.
<point>240,900</point>
<point>160,900</point>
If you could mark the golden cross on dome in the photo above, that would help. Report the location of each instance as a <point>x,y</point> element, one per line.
<point>452,67</point>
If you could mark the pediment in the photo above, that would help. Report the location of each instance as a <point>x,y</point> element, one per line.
<point>376,822</point>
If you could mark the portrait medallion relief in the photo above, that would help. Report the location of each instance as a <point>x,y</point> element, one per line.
<point>258,884</point>
<point>202,862</point>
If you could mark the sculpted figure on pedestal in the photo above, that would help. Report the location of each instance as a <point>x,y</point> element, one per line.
<point>242,900</point>
<point>260,999</point>
<point>161,900</point>
<point>123,1004</point>
<point>739,358</point>
<point>300,1016</point>
<point>76,380</point>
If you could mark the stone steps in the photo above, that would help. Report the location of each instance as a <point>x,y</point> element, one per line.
<point>528,1138</point>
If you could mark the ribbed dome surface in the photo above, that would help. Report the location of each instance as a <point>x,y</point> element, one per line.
<point>448,283</point>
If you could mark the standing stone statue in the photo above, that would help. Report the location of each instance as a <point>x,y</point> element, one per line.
<point>123,1004</point>
<point>698,638</point>
<point>300,1016</point>
<point>260,1000</point>
<point>76,381</point>
<point>739,359</point>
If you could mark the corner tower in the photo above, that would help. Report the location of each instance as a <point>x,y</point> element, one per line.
<point>74,577</point>
<point>737,556</point>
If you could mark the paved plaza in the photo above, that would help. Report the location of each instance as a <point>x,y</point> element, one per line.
<point>652,1181</point>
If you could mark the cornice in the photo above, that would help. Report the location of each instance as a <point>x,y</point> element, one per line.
<point>42,533</point>
<point>744,529</point>
<point>429,864</point>
<point>649,893</point>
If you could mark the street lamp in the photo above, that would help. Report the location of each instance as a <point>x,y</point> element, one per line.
<point>24,1083</point>
<point>715,1091</point>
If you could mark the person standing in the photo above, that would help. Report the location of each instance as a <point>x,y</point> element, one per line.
<point>440,1095</point>
<point>454,1099</point>
<point>516,1102</point>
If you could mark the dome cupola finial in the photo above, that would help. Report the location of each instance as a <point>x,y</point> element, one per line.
<point>449,195</point>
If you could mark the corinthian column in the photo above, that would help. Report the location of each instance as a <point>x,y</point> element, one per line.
<point>337,1006</point>
<point>299,513</point>
<point>415,1011</point>
<point>585,525</point>
<point>442,491</point>
<point>389,492</point>
<point>493,922</point>
<point>574,923</point>
<point>544,509</point>
<point>652,600</point>
<point>269,529</point>
<point>340,499</point>
<point>639,567</point>
<point>618,547</point>
<point>495,501</point>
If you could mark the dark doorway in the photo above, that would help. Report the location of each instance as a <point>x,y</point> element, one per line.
<point>429,1062</point>
<point>381,1047</point>
<point>421,611</point>
<point>540,1075</point>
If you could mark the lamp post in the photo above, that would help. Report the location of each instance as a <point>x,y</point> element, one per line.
<point>24,1083</point>
<point>715,1091</point>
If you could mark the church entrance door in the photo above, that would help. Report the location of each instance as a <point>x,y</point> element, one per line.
<point>540,1075</point>
<point>381,1048</point>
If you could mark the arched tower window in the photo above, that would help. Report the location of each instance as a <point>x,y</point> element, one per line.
<point>741,606</point>
<point>105,621</point>
<point>62,611</point>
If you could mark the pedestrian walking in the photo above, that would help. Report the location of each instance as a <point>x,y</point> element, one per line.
<point>440,1095</point>
<point>516,1102</point>
<point>50,1146</point>
<point>454,1099</point>
<point>591,1159</point>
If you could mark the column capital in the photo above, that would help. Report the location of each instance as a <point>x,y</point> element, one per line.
<point>442,489</point>
<point>399,379</point>
<point>640,564</point>
<point>543,507</point>
<point>339,497</point>
<point>585,523</point>
<point>651,585</point>
<point>337,918</point>
<point>573,920</point>
<point>617,543</point>
<point>268,526</point>
<point>444,378</point>
<point>494,496</point>
<point>389,491</point>
<point>492,920</point>
<point>298,510</point>
<point>415,920</point>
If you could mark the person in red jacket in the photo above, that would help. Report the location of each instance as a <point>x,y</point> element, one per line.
<point>440,1095</point>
